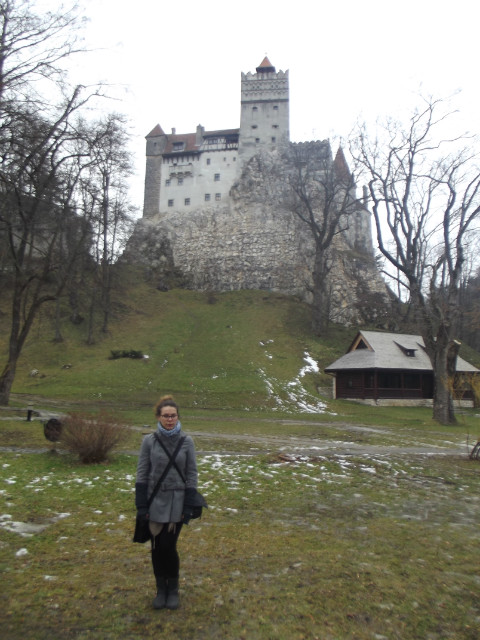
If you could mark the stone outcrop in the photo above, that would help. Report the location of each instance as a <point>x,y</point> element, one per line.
<point>253,242</point>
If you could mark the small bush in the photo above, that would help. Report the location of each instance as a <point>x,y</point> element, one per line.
<point>92,438</point>
<point>122,353</point>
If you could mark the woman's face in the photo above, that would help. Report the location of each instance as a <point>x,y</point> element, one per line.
<point>168,417</point>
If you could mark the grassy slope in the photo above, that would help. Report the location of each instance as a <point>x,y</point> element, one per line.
<point>208,354</point>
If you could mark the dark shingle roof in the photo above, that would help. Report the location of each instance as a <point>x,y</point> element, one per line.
<point>389,351</point>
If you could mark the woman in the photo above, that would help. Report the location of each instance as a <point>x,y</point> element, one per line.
<point>166,511</point>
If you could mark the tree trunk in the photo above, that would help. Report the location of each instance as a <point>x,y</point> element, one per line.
<point>6,382</point>
<point>443,411</point>
<point>91,318</point>
<point>58,332</point>
<point>321,298</point>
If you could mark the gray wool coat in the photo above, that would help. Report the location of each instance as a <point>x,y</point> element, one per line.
<point>167,506</point>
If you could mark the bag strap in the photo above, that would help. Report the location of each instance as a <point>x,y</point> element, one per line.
<point>171,458</point>
<point>171,462</point>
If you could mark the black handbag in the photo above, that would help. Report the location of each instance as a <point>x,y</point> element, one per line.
<point>142,524</point>
<point>142,529</point>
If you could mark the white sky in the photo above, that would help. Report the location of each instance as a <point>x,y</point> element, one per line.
<point>179,63</point>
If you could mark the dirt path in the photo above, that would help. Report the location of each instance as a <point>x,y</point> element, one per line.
<point>255,444</point>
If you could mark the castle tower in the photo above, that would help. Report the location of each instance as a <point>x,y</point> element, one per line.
<point>156,142</point>
<point>264,118</point>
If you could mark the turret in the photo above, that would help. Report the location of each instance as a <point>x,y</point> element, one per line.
<point>264,118</point>
<point>156,143</point>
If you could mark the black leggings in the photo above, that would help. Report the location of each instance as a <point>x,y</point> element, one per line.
<point>165,560</point>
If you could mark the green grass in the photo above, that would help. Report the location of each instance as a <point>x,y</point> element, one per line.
<point>209,355</point>
<point>335,524</point>
<point>324,546</point>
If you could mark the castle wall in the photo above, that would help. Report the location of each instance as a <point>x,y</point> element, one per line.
<point>194,181</point>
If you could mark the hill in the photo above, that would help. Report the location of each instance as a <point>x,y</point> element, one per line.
<point>241,351</point>
<point>246,350</point>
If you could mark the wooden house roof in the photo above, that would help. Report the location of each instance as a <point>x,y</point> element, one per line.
<point>389,351</point>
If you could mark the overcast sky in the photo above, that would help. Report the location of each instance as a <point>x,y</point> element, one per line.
<point>179,63</point>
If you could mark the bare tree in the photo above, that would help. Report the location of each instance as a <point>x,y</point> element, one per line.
<point>33,48</point>
<point>44,154</point>
<point>425,192</point>
<point>39,220</point>
<point>320,190</point>
<point>110,172</point>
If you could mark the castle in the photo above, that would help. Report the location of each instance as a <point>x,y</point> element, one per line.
<point>194,170</point>
<point>210,223</point>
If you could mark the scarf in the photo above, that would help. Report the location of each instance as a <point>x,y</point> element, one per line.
<point>169,433</point>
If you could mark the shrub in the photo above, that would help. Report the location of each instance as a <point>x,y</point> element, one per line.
<point>92,438</point>
<point>122,353</point>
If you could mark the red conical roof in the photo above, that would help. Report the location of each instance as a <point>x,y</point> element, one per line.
<point>341,166</point>
<point>156,131</point>
<point>265,66</point>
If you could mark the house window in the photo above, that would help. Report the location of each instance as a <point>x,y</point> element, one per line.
<point>218,196</point>
<point>207,197</point>
<point>170,203</point>
<point>178,146</point>
<point>217,177</point>
<point>411,381</point>
<point>389,381</point>
<point>369,381</point>
<point>187,202</point>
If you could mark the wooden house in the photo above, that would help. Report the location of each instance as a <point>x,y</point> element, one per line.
<point>392,368</point>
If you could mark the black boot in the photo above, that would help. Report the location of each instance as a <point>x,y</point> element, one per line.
<point>172,594</point>
<point>161,598</point>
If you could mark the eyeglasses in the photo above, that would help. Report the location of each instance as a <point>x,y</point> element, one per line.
<point>171,416</point>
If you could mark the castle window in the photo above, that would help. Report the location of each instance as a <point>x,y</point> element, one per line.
<point>187,202</point>
<point>254,109</point>
<point>274,139</point>
<point>254,126</point>
<point>257,139</point>
<point>180,181</point>
<point>218,196</point>
<point>167,183</point>
<point>170,203</point>
<point>208,160</point>
<point>274,126</point>
<point>275,108</point>
<point>207,197</point>
<point>217,177</point>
